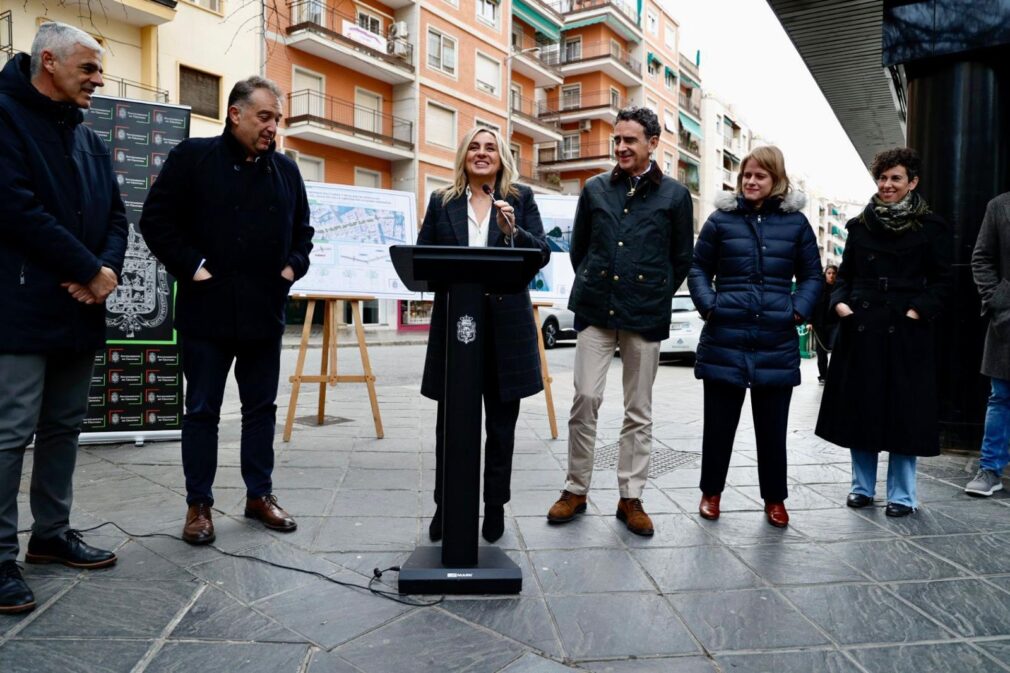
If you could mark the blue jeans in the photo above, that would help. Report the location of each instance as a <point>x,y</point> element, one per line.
<point>900,477</point>
<point>205,363</point>
<point>995,452</point>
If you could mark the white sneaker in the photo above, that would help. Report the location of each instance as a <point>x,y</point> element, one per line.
<point>985,483</point>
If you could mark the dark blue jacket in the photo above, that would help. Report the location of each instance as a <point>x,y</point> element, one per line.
<point>511,315</point>
<point>749,338</point>
<point>248,220</point>
<point>61,219</point>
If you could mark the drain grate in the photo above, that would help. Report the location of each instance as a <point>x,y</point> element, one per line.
<point>327,420</point>
<point>663,459</point>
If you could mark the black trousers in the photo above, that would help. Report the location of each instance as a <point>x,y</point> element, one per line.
<point>770,408</point>
<point>500,418</point>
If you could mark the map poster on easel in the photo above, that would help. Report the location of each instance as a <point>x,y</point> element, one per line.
<point>136,389</point>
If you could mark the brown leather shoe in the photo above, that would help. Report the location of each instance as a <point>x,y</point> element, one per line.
<point>630,511</point>
<point>266,509</point>
<point>567,506</point>
<point>709,507</point>
<point>777,514</point>
<point>199,528</point>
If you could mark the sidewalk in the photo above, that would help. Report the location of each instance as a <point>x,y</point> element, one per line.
<point>839,590</point>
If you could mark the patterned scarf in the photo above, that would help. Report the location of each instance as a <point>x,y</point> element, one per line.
<point>895,218</point>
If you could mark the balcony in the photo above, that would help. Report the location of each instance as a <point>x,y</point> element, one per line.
<point>536,119</point>
<point>688,143</point>
<point>125,88</point>
<point>620,15</point>
<point>602,105</point>
<point>541,181</point>
<point>323,119</point>
<point>728,178</point>
<point>539,62</point>
<point>690,106</point>
<point>320,30</point>
<point>6,37</point>
<point>130,12</point>
<point>578,156</point>
<point>577,58</point>
<point>687,175</point>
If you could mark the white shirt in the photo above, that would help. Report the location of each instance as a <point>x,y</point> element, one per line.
<point>477,230</point>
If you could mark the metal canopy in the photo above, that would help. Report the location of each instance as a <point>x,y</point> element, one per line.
<point>840,44</point>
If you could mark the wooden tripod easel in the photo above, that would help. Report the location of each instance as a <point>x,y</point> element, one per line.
<point>328,369</point>
<point>543,367</point>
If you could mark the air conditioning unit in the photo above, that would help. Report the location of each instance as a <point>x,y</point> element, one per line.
<point>586,125</point>
<point>397,48</point>
<point>398,30</point>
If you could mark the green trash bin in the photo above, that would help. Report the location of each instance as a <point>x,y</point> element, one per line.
<point>806,336</point>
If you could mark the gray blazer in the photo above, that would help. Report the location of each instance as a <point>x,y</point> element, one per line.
<point>990,266</point>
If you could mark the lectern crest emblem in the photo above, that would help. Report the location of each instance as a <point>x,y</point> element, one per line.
<point>142,299</point>
<point>466,329</point>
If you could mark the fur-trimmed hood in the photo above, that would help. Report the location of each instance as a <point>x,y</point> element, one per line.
<point>730,201</point>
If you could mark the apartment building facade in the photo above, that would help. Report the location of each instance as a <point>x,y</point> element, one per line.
<point>728,139</point>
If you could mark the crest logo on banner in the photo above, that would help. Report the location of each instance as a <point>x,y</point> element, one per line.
<point>142,299</point>
<point>466,329</point>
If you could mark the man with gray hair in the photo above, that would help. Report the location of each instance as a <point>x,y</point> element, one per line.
<point>229,218</point>
<point>63,234</point>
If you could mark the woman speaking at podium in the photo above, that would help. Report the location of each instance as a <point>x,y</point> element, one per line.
<point>485,207</point>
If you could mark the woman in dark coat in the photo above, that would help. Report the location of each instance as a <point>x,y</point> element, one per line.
<point>752,247</point>
<point>824,321</point>
<point>894,279</point>
<point>464,215</point>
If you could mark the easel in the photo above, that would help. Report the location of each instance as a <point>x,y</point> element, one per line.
<point>328,369</point>
<point>543,367</point>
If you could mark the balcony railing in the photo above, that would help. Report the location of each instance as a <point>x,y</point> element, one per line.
<point>727,176</point>
<point>343,28</point>
<point>689,142</point>
<point>546,55</point>
<point>357,120</point>
<point>689,179</point>
<point>6,36</point>
<point>125,88</point>
<point>531,174</point>
<point>580,152</point>
<point>688,103</point>
<point>542,111</point>
<point>629,10</point>
<point>588,100</point>
<point>575,52</point>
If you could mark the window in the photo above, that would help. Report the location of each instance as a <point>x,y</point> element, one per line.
<point>201,91</point>
<point>670,38</point>
<point>571,147</point>
<point>366,178</point>
<point>615,98</point>
<point>653,68</point>
<point>670,122</point>
<point>313,169</point>
<point>573,50</point>
<point>615,49</point>
<point>667,163</point>
<point>671,80</point>
<point>488,74</point>
<point>652,23</point>
<point>441,52</point>
<point>480,123</point>
<point>431,183</point>
<point>651,104</point>
<point>440,125</point>
<point>517,99</point>
<point>212,5</point>
<point>516,153</point>
<point>571,97</point>
<point>487,11</point>
<point>370,22</point>
<point>309,11</point>
<point>517,37</point>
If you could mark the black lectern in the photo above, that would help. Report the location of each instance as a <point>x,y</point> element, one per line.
<point>466,274</point>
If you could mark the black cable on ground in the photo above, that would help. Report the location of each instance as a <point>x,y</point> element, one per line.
<point>376,573</point>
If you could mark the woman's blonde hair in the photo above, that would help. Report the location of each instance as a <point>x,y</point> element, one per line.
<point>507,174</point>
<point>769,158</point>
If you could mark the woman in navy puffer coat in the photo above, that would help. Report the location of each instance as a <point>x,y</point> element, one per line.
<point>746,258</point>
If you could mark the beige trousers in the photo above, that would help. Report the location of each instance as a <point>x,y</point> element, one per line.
<point>594,351</point>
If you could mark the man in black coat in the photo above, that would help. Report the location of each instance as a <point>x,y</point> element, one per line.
<point>63,237</point>
<point>229,218</point>
<point>631,249</point>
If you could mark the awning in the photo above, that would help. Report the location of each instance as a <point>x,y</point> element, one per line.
<point>688,160</point>
<point>670,72</point>
<point>654,59</point>
<point>693,127</point>
<point>731,156</point>
<point>531,16</point>
<point>688,81</point>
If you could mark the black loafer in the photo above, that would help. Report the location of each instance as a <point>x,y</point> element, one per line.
<point>894,509</point>
<point>15,596</point>
<point>435,527</point>
<point>68,549</point>
<point>858,501</point>
<point>494,522</point>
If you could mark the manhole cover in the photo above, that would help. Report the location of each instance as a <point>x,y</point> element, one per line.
<point>663,459</point>
<point>327,420</point>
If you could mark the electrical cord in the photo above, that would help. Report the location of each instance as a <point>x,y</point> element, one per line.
<point>376,573</point>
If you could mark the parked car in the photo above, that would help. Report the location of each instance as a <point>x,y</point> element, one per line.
<point>557,323</point>
<point>685,329</point>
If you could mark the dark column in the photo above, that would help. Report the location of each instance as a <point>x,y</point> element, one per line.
<point>959,121</point>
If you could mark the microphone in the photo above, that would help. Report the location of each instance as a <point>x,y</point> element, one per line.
<point>490,192</point>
